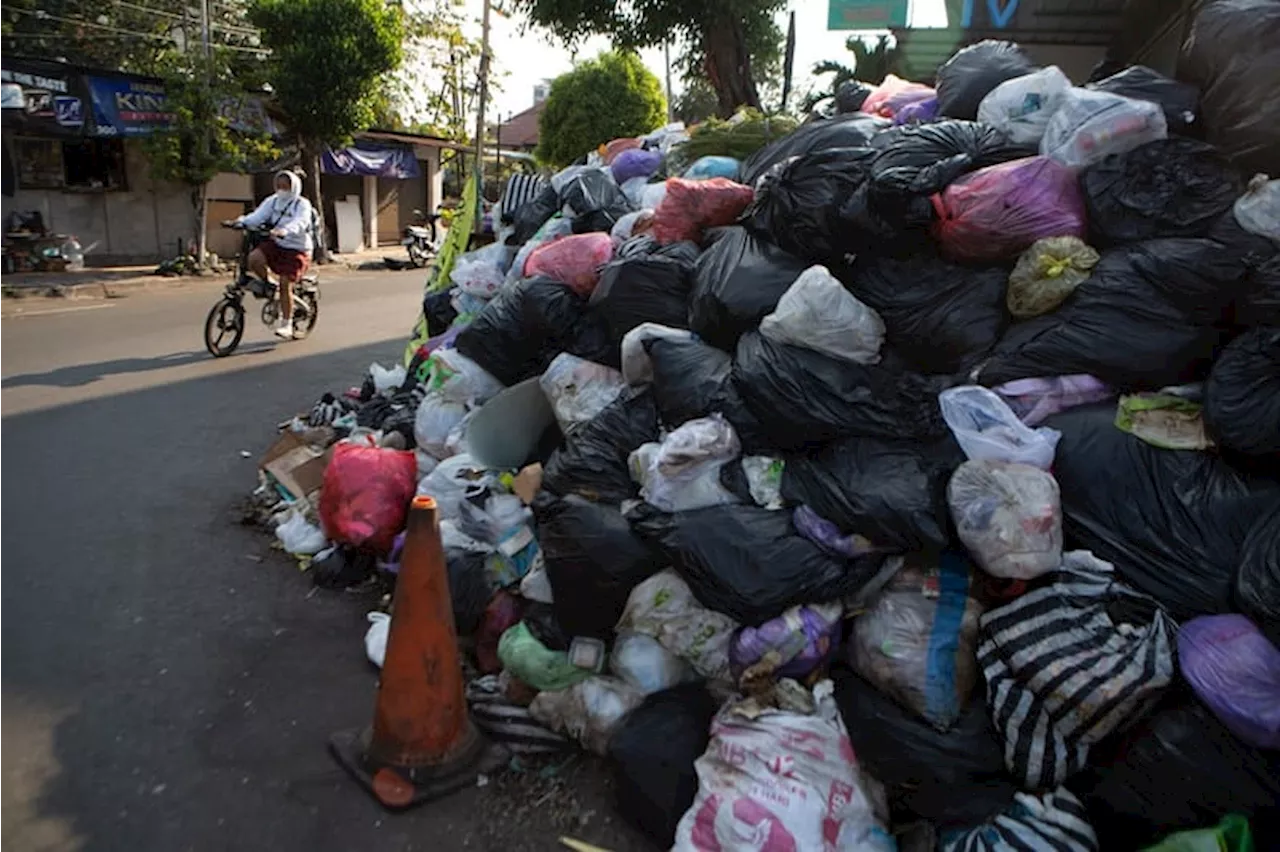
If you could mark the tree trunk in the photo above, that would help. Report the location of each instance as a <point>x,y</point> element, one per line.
<point>311,189</point>
<point>200,195</point>
<point>729,66</point>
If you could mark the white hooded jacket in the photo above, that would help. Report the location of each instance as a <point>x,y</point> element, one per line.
<point>288,212</point>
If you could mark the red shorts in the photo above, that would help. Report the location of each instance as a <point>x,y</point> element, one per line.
<point>282,261</point>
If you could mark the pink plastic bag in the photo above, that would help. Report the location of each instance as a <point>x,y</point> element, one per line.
<point>691,206</point>
<point>997,212</point>
<point>893,86</point>
<point>574,261</point>
<point>366,494</point>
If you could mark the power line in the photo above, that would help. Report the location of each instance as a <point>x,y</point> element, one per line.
<point>45,16</point>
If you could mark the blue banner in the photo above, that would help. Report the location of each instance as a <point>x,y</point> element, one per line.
<point>127,107</point>
<point>366,158</point>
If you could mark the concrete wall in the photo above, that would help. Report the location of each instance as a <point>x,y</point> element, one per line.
<point>1076,61</point>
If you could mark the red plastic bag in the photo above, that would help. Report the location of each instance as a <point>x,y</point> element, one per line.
<point>573,261</point>
<point>997,212</point>
<point>691,206</point>
<point>366,495</point>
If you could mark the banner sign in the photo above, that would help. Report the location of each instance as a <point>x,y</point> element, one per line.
<point>866,14</point>
<point>128,107</point>
<point>42,101</point>
<point>375,160</point>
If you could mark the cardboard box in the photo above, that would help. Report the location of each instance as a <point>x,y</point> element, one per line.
<point>296,466</point>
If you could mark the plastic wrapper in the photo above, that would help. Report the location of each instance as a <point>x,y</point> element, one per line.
<point>1092,125</point>
<point>1022,106</point>
<point>653,752</point>
<point>818,313</point>
<point>1054,820</point>
<point>683,472</point>
<point>502,524</point>
<point>713,167</point>
<point>748,562</point>
<point>1069,663</point>
<point>480,273</point>
<point>455,479</point>
<point>592,462</point>
<point>987,429</point>
<point>635,163</point>
<point>764,480</point>
<point>972,72</point>
<point>940,317</point>
<point>881,101</point>
<point>593,561</point>
<point>664,608</point>
<point>574,261</point>
<point>1009,516</point>
<point>1257,589</point>
<point>1047,273</point>
<point>1258,210</point>
<point>743,802</point>
<point>1173,522</point>
<point>737,282</point>
<point>456,378</point>
<point>579,390</point>
<point>1174,187</point>
<point>843,131</point>
<point>641,661</point>
<point>1165,420</point>
<point>692,206</point>
<point>589,711</point>
<point>891,492</point>
<point>1242,394</point>
<point>918,639</point>
<point>1179,101</point>
<point>386,380</point>
<point>999,211</point>
<point>792,645</point>
<point>652,288</point>
<point>435,419</point>
<point>1033,400</point>
<point>365,496</point>
<point>1235,670</point>
<point>527,659</point>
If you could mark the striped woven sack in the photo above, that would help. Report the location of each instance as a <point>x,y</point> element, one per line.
<point>1069,663</point>
<point>1053,822</point>
<point>507,722</point>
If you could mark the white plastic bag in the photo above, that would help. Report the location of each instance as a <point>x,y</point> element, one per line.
<point>299,536</point>
<point>625,227</point>
<point>386,380</point>
<point>459,379</point>
<point>781,780</point>
<point>641,661</point>
<point>426,462</point>
<point>536,585</point>
<point>435,419</point>
<point>1090,125</point>
<point>1009,516</point>
<point>454,479</point>
<point>375,638</point>
<point>1022,107</point>
<point>589,712</point>
<point>579,390</point>
<point>764,480</point>
<point>818,313</point>
<point>663,607</point>
<point>684,473</point>
<point>479,274</point>
<point>637,369</point>
<point>986,428</point>
<point>1258,210</point>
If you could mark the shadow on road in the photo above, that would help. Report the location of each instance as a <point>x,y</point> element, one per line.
<point>79,375</point>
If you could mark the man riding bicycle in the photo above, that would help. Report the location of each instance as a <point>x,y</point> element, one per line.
<point>287,215</point>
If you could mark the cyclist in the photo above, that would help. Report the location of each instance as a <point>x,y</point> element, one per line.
<point>288,217</point>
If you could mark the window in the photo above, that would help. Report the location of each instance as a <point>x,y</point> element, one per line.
<point>39,163</point>
<point>94,164</point>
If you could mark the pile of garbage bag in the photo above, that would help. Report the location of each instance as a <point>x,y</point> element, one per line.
<point>900,480</point>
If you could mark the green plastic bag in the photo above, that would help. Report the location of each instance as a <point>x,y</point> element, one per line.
<point>529,660</point>
<point>1046,274</point>
<point>1230,835</point>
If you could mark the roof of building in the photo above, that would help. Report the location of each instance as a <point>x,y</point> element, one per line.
<point>521,130</point>
<point>407,138</point>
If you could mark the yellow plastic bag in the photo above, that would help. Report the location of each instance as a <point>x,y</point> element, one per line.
<point>1046,274</point>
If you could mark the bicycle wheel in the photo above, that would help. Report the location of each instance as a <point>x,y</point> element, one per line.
<point>305,315</point>
<point>223,328</point>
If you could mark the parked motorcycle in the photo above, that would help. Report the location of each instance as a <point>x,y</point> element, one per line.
<point>421,238</point>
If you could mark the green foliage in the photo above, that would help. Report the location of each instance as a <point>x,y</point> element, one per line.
<point>696,103</point>
<point>740,137</point>
<point>327,61</point>
<point>870,65</point>
<point>606,98</point>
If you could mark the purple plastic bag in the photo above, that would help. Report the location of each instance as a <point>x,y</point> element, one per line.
<point>1235,671</point>
<point>1033,400</point>
<point>906,98</point>
<point>919,112</point>
<point>634,163</point>
<point>804,637</point>
<point>827,535</point>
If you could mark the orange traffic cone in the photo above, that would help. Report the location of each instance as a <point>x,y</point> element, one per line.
<point>422,744</point>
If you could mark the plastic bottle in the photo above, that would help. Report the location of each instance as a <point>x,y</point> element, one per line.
<point>73,254</point>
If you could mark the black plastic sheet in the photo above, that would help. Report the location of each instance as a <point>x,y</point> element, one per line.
<point>647,288</point>
<point>592,462</point>
<point>692,380</point>
<point>972,72</point>
<point>1258,583</point>
<point>853,130</point>
<point>1242,394</point>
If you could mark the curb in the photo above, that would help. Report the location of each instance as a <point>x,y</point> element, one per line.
<point>90,289</point>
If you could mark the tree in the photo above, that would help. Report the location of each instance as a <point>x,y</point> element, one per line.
<point>870,65</point>
<point>211,131</point>
<point>696,103</point>
<point>720,33</point>
<point>605,98</point>
<point>328,58</point>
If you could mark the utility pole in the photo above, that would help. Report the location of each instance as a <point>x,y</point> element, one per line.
<point>671,98</point>
<point>484,96</point>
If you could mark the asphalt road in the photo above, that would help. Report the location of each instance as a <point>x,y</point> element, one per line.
<point>169,681</point>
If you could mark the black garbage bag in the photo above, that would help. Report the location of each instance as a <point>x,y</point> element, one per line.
<point>540,620</point>
<point>1242,394</point>
<point>1175,187</point>
<point>921,159</point>
<point>653,750</point>
<point>647,288</point>
<point>1258,583</point>
<point>438,308</point>
<point>1233,56</point>
<point>797,203</point>
<point>593,561</point>
<point>850,96</point>
<point>592,463</point>
<point>1260,303</point>
<point>692,380</point>
<point>972,72</point>
<point>891,492</point>
<point>596,200</point>
<point>469,589</point>
<point>1173,522</point>
<point>747,562</point>
<point>803,398</point>
<point>737,282</point>
<point>939,316</point>
<point>853,130</point>
<point>1145,319</point>
<point>1179,101</point>
<point>1177,770</point>
<point>955,779</point>
<point>532,215</point>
